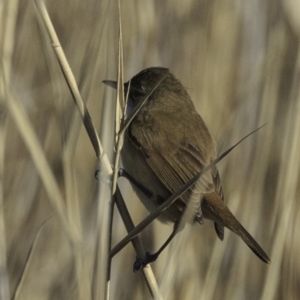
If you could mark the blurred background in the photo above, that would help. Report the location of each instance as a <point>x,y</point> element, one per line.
<point>240,63</point>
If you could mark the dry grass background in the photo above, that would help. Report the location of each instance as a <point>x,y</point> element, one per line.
<point>239,60</point>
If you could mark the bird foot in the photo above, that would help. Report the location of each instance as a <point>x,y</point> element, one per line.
<point>142,263</point>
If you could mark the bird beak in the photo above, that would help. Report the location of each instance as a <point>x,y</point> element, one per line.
<point>111,83</point>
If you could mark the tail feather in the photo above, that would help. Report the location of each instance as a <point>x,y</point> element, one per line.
<point>215,209</point>
<point>219,230</point>
<point>252,244</point>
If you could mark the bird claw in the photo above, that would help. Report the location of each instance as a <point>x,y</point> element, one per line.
<point>121,172</point>
<point>142,263</point>
<point>201,219</point>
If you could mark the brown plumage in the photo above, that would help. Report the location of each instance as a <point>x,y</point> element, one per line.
<point>166,145</point>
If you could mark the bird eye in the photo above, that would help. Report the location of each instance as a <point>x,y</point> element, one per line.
<point>143,88</point>
<point>139,91</point>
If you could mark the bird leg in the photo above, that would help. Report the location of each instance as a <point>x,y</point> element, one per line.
<point>149,258</point>
<point>140,263</point>
<point>145,191</point>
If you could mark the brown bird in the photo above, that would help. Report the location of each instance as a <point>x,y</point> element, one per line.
<point>167,144</point>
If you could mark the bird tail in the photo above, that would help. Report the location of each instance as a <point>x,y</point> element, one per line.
<point>215,209</point>
<point>252,244</point>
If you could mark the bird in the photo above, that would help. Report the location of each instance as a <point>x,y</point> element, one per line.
<point>166,144</point>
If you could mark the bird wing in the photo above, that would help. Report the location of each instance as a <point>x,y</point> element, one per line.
<point>176,156</point>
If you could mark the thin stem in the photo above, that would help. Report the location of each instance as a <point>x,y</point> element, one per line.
<point>69,77</point>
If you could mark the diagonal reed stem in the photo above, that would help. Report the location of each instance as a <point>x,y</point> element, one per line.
<point>101,155</point>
